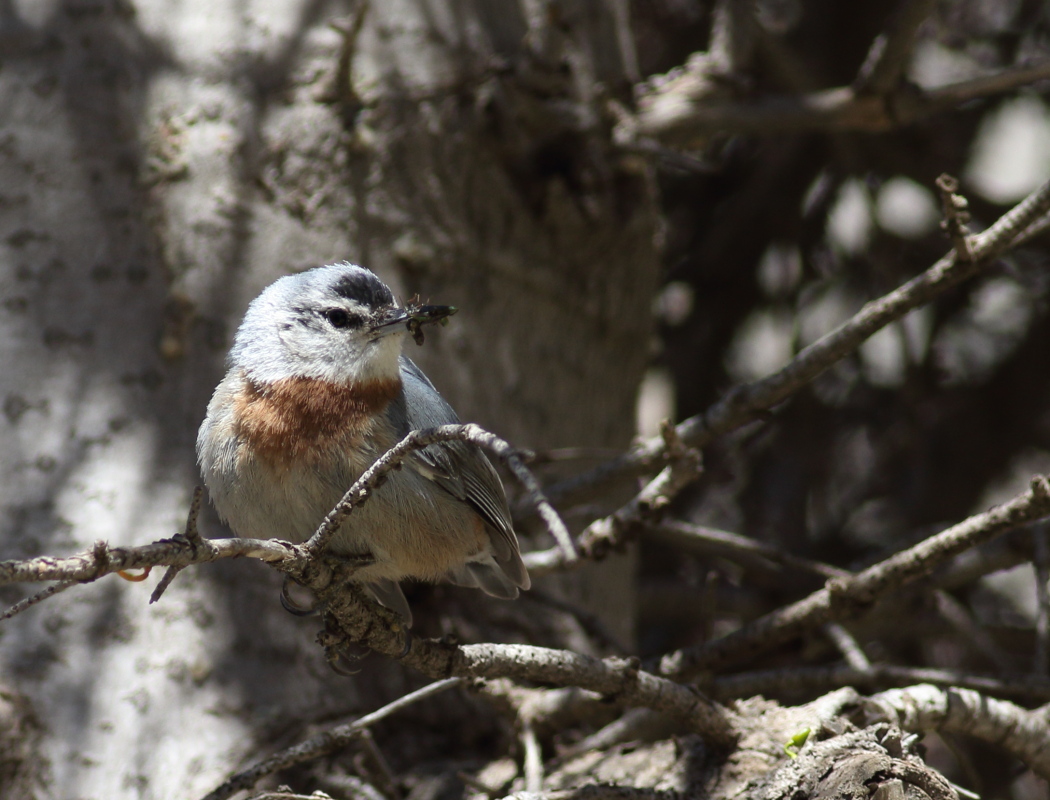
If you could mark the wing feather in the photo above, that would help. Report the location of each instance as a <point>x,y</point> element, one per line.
<point>460,468</point>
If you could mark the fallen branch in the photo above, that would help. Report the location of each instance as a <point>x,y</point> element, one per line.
<point>1023,733</point>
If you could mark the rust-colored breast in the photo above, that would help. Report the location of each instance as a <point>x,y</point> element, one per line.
<point>298,419</point>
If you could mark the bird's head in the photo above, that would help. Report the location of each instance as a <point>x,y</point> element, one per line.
<point>338,323</point>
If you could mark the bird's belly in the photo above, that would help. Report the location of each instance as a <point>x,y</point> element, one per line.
<point>409,525</point>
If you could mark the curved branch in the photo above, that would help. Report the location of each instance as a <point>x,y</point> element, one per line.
<point>381,630</point>
<point>923,708</point>
<point>374,476</point>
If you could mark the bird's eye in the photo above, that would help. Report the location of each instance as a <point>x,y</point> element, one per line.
<point>337,318</point>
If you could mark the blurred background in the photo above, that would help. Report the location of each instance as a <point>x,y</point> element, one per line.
<point>162,162</point>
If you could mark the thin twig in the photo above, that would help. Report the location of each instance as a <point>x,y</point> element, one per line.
<point>633,724</point>
<point>845,598</point>
<point>954,207</point>
<point>746,402</point>
<point>191,531</point>
<point>962,621</point>
<point>1005,81</point>
<point>847,645</point>
<point>704,541</point>
<point>31,601</point>
<point>323,744</point>
<point>380,761</point>
<point>372,477</point>
<point>533,758</point>
<point>891,51</point>
<point>193,536</point>
<point>646,508</point>
<point>674,118</point>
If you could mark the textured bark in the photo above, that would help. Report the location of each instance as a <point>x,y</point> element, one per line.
<point>159,165</point>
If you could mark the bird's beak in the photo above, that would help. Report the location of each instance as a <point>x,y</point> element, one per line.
<point>411,317</point>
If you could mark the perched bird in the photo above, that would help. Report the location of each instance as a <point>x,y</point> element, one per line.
<point>317,388</point>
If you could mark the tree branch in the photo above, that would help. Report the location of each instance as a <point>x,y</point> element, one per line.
<point>103,560</point>
<point>1025,734</point>
<point>375,475</point>
<point>381,630</point>
<point>703,541</point>
<point>325,743</point>
<point>845,598</point>
<point>646,508</point>
<point>672,117</point>
<point>890,52</point>
<point>746,402</point>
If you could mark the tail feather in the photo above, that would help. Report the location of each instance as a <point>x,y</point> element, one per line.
<point>462,576</point>
<point>492,579</point>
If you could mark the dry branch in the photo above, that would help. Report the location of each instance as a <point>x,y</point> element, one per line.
<point>40,596</point>
<point>673,117</point>
<point>104,560</point>
<point>1023,733</point>
<point>746,402</point>
<point>373,477</point>
<point>618,679</point>
<point>889,54</point>
<point>323,744</point>
<point>845,598</point>
<point>646,508</point>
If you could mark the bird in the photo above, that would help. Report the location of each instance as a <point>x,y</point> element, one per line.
<point>317,388</point>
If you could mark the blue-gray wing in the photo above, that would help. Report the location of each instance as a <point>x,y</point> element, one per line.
<point>460,468</point>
